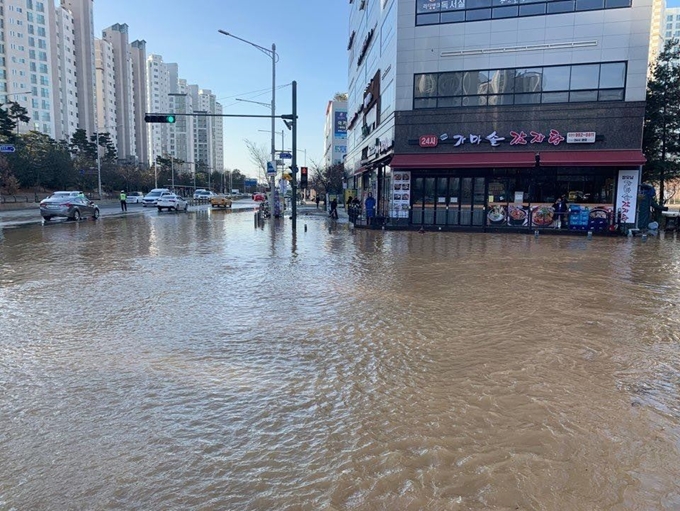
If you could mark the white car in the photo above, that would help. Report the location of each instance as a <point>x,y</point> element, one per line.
<point>134,198</point>
<point>205,195</point>
<point>152,197</point>
<point>172,202</point>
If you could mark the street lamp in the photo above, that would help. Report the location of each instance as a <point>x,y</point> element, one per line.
<point>275,57</point>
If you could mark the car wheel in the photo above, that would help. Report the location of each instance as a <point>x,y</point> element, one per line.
<point>95,213</point>
<point>160,209</point>
<point>47,218</point>
<point>76,215</point>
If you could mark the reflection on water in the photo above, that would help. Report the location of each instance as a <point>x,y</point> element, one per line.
<point>195,362</point>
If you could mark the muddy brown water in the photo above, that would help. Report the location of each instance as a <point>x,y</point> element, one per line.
<point>195,362</point>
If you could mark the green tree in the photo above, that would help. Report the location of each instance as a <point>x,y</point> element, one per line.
<point>661,143</point>
<point>18,114</point>
<point>7,126</point>
<point>106,142</point>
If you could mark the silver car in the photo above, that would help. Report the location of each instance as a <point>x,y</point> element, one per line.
<point>72,205</point>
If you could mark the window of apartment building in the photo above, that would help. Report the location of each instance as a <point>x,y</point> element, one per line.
<point>45,105</point>
<point>34,79</point>
<point>40,19</point>
<point>518,86</point>
<point>40,6</point>
<point>42,44</point>
<point>668,33</point>
<point>458,11</point>
<point>43,68</point>
<point>44,80</point>
<point>31,30</point>
<point>44,93</point>
<point>29,4</point>
<point>42,56</point>
<point>31,41</point>
<point>41,32</point>
<point>34,103</point>
<point>3,87</point>
<point>31,54</point>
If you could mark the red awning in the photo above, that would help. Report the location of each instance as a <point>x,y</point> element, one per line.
<point>519,159</point>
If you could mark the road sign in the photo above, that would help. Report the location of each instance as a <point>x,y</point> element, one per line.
<point>7,148</point>
<point>271,169</point>
<point>285,156</point>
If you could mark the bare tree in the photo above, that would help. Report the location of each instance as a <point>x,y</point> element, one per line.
<point>259,156</point>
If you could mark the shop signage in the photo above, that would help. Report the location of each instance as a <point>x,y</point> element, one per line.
<point>581,137</point>
<point>381,146</point>
<point>428,141</point>
<point>553,137</point>
<point>626,195</point>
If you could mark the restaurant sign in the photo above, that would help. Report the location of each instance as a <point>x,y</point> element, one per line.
<point>518,138</point>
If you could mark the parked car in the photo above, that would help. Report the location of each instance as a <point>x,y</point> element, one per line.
<point>152,197</point>
<point>203,195</point>
<point>135,198</point>
<point>259,197</point>
<point>71,205</point>
<point>220,201</point>
<point>172,202</point>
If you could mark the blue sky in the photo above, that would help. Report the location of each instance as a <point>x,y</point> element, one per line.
<point>310,37</point>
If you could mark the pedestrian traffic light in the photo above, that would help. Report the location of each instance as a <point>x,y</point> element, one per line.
<point>303,177</point>
<point>168,119</point>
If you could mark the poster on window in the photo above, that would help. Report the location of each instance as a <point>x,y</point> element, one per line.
<point>401,194</point>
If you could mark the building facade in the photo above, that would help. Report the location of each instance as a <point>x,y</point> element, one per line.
<point>335,133</point>
<point>481,115</point>
<point>117,36</point>
<point>158,101</point>
<point>105,72</point>
<point>139,83</point>
<point>64,81</point>
<point>27,71</point>
<point>82,12</point>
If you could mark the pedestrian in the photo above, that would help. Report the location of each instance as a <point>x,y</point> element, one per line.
<point>370,208</point>
<point>317,199</point>
<point>349,202</point>
<point>561,208</point>
<point>123,201</point>
<point>334,209</point>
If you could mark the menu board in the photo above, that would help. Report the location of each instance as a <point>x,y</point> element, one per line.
<point>401,194</point>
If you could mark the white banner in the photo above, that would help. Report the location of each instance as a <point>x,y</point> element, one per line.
<point>400,194</point>
<point>626,195</point>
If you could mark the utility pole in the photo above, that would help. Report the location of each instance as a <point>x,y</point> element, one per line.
<point>294,155</point>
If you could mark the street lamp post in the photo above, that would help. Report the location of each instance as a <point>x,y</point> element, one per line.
<point>275,57</point>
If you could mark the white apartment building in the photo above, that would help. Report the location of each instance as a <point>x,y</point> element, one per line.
<point>218,139</point>
<point>26,66</point>
<point>471,115</point>
<point>335,133</point>
<point>84,57</point>
<point>158,101</point>
<point>105,67</point>
<point>139,82</point>
<point>117,36</point>
<point>203,102</point>
<point>181,133</point>
<point>65,82</point>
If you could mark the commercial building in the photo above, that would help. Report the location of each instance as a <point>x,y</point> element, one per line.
<point>480,115</point>
<point>335,132</point>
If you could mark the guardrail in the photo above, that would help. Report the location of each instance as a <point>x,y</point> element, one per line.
<point>13,199</point>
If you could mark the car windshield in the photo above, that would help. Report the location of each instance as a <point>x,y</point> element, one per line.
<point>154,194</point>
<point>63,194</point>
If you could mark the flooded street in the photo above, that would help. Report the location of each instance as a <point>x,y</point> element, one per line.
<point>194,362</point>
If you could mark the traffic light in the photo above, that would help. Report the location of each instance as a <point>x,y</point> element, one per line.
<point>168,119</point>
<point>303,177</point>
